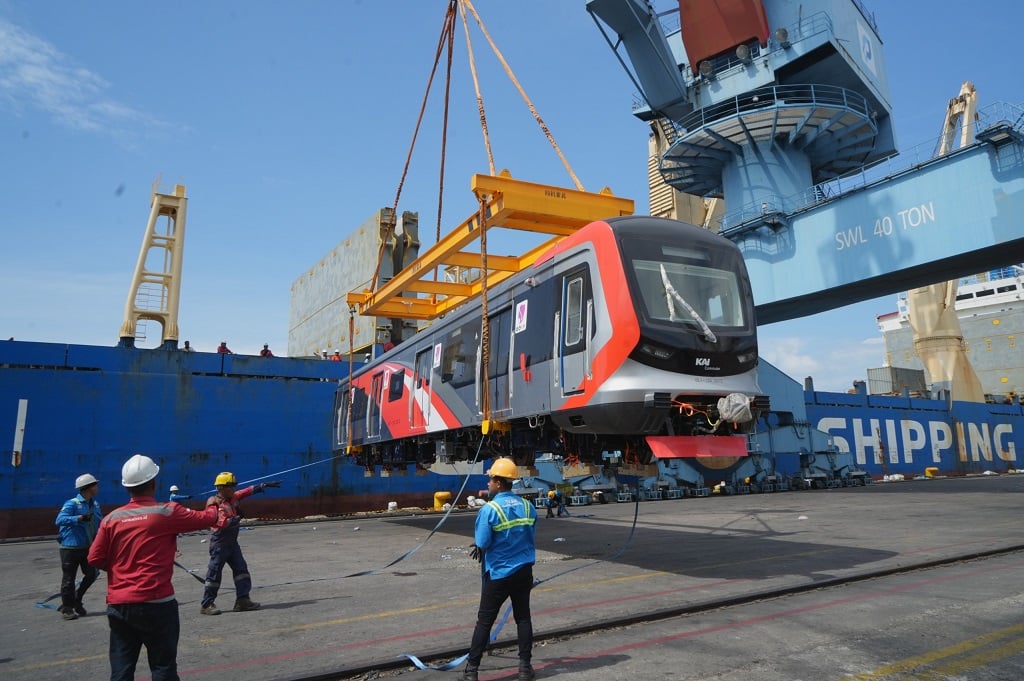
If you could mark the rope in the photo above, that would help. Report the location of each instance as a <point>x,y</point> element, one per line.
<point>485,325</point>
<point>476,87</point>
<point>351,385</point>
<point>522,93</point>
<point>447,25</point>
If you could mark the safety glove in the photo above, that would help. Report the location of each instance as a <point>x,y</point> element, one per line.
<point>476,553</point>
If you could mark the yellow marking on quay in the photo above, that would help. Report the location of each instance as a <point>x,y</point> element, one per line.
<point>969,645</point>
<point>58,663</point>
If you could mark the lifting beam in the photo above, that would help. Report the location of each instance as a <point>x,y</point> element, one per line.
<point>508,203</point>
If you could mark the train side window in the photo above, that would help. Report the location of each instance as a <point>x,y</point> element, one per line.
<point>395,385</point>
<point>450,359</point>
<point>574,311</point>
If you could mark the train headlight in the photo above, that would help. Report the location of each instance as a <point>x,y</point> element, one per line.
<point>656,351</point>
<point>746,358</point>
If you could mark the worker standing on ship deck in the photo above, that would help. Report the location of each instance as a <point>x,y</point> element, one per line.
<point>504,535</point>
<point>78,520</point>
<point>265,352</point>
<point>224,546</point>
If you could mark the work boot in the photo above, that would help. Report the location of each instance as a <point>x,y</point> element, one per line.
<point>245,603</point>
<point>526,674</point>
<point>69,614</point>
<point>80,609</point>
<point>468,675</point>
<point>210,609</point>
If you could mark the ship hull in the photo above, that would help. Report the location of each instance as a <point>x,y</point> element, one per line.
<point>71,409</point>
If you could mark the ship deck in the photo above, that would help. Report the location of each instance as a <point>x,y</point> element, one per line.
<point>598,569</point>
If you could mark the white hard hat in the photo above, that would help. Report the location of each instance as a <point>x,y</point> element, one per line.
<point>174,488</point>
<point>84,480</point>
<point>138,470</point>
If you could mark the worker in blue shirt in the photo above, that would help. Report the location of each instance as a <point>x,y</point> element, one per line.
<point>77,521</point>
<point>504,536</point>
<point>176,495</point>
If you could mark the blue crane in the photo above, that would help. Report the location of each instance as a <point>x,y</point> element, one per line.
<point>782,109</point>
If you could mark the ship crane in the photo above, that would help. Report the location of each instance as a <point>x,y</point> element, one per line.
<point>781,108</point>
<point>938,339</point>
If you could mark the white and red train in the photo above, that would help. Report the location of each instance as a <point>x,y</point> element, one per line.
<point>634,335</point>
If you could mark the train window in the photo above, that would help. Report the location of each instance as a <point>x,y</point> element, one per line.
<point>456,364</point>
<point>395,385</point>
<point>574,311</point>
<point>670,290</point>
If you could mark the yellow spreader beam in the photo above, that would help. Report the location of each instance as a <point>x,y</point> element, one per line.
<point>510,204</point>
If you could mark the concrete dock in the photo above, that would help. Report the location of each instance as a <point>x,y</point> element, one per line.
<point>321,616</point>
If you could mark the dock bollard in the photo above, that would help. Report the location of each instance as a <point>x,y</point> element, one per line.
<point>440,499</point>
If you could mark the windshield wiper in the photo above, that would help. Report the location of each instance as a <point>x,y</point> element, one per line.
<point>670,295</point>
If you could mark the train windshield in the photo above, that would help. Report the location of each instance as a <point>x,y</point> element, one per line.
<point>697,287</point>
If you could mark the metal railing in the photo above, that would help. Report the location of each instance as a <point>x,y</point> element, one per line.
<point>780,96</point>
<point>994,114</point>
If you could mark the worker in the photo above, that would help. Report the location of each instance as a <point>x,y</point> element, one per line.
<point>77,522</point>
<point>223,349</point>
<point>265,352</point>
<point>187,348</point>
<point>135,545</point>
<point>224,546</point>
<point>504,536</point>
<point>336,357</point>
<point>556,500</point>
<point>176,495</point>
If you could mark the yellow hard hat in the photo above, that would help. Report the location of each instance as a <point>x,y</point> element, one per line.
<point>551,494</point>
<point>225,478</point>
<point>504,468</point>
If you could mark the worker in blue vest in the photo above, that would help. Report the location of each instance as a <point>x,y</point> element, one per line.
<point>504,536</point>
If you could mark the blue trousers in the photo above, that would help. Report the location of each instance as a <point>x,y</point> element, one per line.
<point>230,553</point>
<point>493,594</point>
<point>154,625</point>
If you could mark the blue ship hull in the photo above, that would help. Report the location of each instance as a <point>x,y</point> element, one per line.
<point>888,435</point>
<point>71,409</point>
<point>88,409</point>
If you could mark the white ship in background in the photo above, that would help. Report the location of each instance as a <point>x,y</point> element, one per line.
<point>990,307</point>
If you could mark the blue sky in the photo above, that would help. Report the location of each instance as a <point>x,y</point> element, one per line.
<point>289,124</point>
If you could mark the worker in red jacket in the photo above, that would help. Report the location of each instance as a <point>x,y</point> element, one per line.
<point>224,546</point>
<point>136,545</point>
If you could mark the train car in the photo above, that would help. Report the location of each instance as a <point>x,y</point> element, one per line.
<point>635,337</point>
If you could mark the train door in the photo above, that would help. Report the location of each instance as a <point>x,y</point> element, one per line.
<point>419,398</point>
<point>499,369</point>
<point>574,330</point>
<point>374,413</point>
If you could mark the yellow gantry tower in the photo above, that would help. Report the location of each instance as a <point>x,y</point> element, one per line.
<point>506,203</point>
<point>156,284</point>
